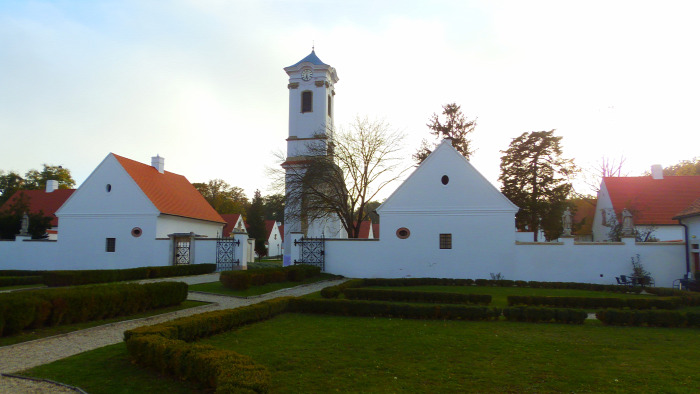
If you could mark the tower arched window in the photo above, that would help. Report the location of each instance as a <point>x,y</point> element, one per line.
<point>329,105</point>
<point>307,101</point>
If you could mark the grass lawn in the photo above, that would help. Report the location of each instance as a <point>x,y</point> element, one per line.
<point>109,370</point>
<point>218,288</point>
<point>37,286</point>
<point>51,331</point>
<point>310,353</point>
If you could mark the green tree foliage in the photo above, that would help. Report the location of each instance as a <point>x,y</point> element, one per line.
<point>684,168</point>
<point>9,183</point>
<point>34,179</point>
<point>455,126</point>
<point>11,220</point>
<point>256,223</point>
<point>535,177</point>
<point>371,208</point>
<point>342,175</point>
<point>223,197</point>
<point>274,207</point>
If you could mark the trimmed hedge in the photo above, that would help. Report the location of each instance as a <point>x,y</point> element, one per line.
<point>545,315</point>
<point>83,277</point>
<point>21,273</point>
<point>20,280</point>
<point>385,309</point>
<point>51,307</point>
<point>594,302</point>
<point>242,280</point>
<point>334,291</point>
<point>416,296</point>
<point>651,318</point>
<point>164,348</point>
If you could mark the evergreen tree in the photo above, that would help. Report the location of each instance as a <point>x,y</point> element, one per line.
<point>535,177</point>
<point>256,223</point>
<point>456,127</point>
<point>11,219</point>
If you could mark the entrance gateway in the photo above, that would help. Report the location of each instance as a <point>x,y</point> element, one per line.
<point>312,251</point>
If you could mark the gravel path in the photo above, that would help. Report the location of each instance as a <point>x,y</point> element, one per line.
<point>27,355</point>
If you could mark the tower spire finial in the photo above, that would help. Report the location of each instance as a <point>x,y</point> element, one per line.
<point>313,46</point>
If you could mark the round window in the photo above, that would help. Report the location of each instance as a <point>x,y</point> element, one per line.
<point>403,233</point>
<point>108,188</point>
<point>445,179</point>
<point>136,232</point>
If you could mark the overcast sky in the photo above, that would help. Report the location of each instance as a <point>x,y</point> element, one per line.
<point>201,82</point>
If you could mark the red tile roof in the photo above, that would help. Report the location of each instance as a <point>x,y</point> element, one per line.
<point>172,194</point>
<point>231,220</point>
<point>653,201</point>
<point>375,229</point>
<point>692,210</point>
<point>364,229</point>
<point>269,226</point>
<point>40,200</point>
<point>585,212</point>
<point>282,232</point>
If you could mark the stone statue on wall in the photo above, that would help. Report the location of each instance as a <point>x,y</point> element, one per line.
<point>566,222</point>
<point>627,223</point>
<point>24,230</point>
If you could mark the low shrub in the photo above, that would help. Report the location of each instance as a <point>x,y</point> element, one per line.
<point>594,302</point>
<point>242,280</point>
<point>20,280</point>
<point>385,309</point>
<point>164,347</point>
<point>50,307</point>
<point>652,318</point>
<point>545,315</point>
<point>416,296</point>
<point>83,277</point>
<point>335,291</point>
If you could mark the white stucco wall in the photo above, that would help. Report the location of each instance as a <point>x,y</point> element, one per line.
<point>168,224</point>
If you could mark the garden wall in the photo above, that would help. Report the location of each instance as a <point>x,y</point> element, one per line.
<point>556,261</point>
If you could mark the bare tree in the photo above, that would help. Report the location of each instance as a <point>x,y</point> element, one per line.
<point>342,172</point>
<point>606,167</point>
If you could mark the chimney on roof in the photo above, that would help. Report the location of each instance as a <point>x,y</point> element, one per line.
<point>51,186</point>
<point>657,172</point>
<point>158,163</point>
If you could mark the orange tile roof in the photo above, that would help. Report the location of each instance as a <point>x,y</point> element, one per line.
<point>585,212</point>
<point>269,226</point>
<point>692,210</point>
<point>364,229</point>
<point>172,194</point>
<point>231,220</point>
<point>653,201</point>
<point>40,200</point>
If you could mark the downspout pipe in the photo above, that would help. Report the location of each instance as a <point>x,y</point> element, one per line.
<point>687,247</point>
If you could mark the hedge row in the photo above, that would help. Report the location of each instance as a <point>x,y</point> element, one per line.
<point>658,318</point>
<point>75,278</point>
<point>416,296</point>
<point>164,348</point>
<point>594,302</point>
<point>385,309</point>
<point>20,280</point>
<point>334,291</point>
<point>242,280</point>
<point>686,298</point>
<point>497,283</point>
<point>545,315</point>
<point>51,307</point>
<point>21,273</point>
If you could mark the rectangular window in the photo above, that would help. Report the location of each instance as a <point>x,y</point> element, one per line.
<point>307,101</point>
<point>445,241</point>
<point>111,245</point>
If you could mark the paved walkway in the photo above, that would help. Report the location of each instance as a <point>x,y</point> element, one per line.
<point>15,358</point>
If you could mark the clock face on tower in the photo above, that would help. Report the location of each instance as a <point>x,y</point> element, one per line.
<point>306,74</point>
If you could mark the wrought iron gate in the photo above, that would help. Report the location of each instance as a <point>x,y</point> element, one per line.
<point>226,254</point>
<point>312,251</point>
<point>182,251</point>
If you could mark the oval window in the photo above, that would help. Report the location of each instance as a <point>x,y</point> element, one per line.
<point>403,233</point>
<point>445,179</point>
<point>108,188</point>
<point>136,232</point>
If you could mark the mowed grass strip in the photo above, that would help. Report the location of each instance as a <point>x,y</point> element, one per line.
<point>309,353</point>
<point>219,288</point>
<point>499,295</point>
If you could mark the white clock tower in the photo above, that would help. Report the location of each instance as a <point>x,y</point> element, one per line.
<point>311,106</point>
